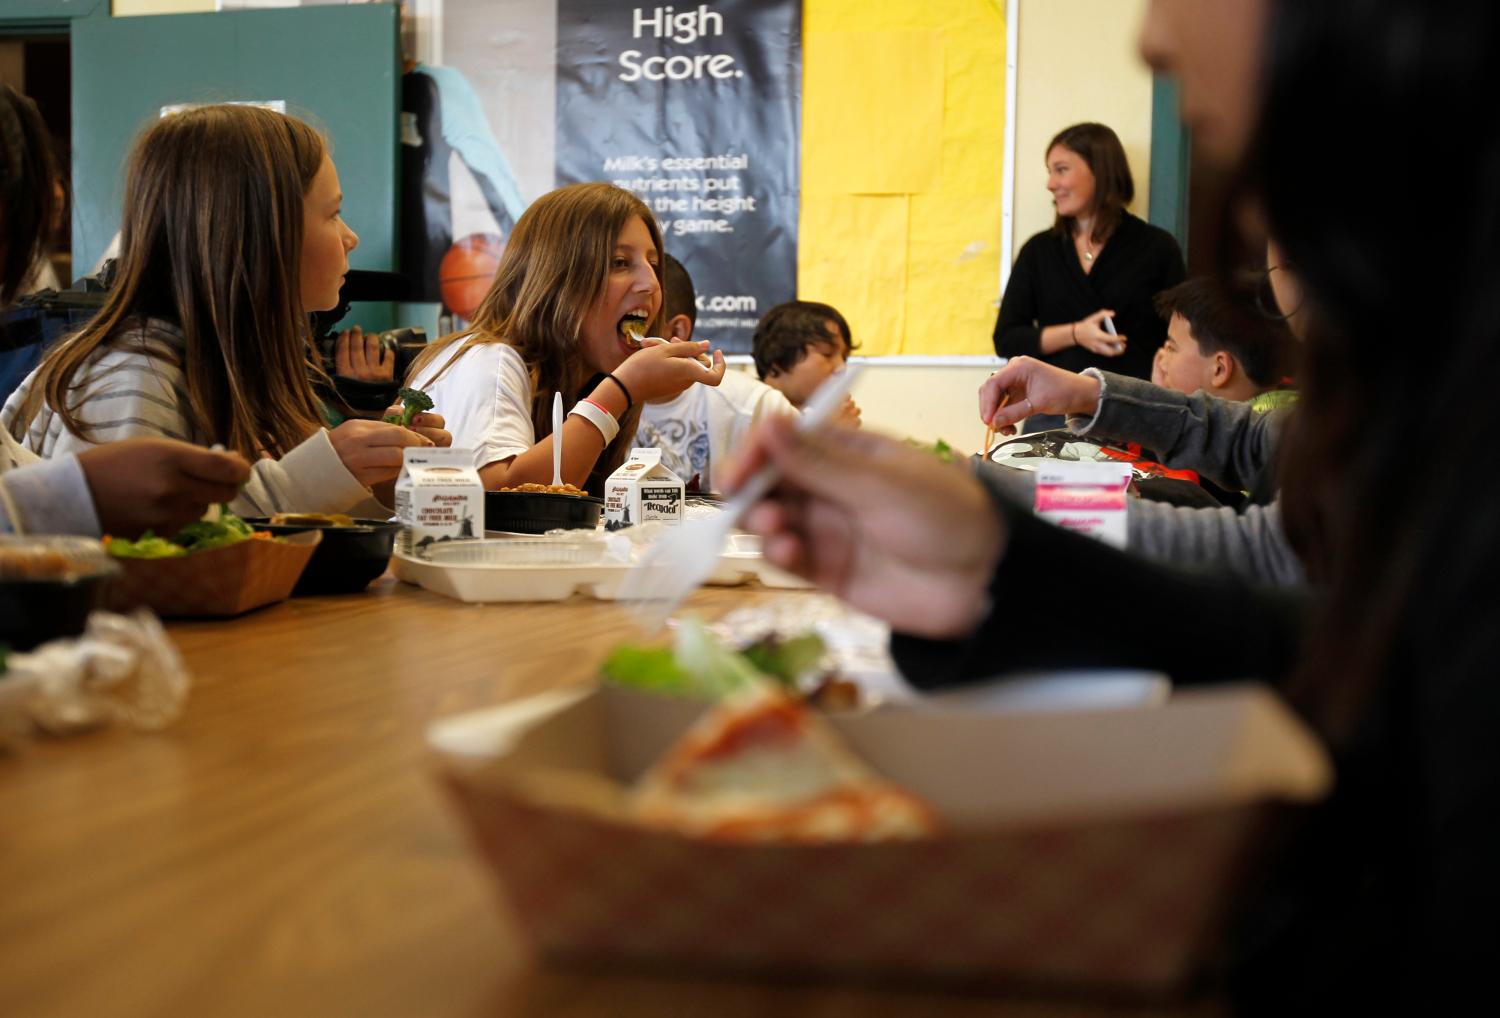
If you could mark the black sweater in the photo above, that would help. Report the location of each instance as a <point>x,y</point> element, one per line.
<point>1048,286</point>
<point>1386,899</point>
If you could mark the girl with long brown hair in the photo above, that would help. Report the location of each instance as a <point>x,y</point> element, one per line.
<point>231,234</point>
<point>583,263</point>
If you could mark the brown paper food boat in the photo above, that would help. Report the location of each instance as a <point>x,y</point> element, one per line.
<point>1090,849</point>
<point>216,583</point>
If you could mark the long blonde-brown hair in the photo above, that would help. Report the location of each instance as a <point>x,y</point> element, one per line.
<point>211,239</point>
<point>555,267</point>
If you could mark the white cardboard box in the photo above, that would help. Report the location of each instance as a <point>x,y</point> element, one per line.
<point>642,490</point>
<point>439,497</point>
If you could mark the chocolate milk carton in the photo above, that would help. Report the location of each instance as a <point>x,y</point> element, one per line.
<point>438,498</point>
<point>642,490</point>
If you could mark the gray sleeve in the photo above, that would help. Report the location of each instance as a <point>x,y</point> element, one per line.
<point>1225,441</point>
<point>1250,544</point>
<point>50,497</point>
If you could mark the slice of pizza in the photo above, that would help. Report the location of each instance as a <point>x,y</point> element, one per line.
<point>762,766</point>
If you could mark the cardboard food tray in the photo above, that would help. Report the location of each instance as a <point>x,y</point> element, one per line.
<point>216,583</point>
<point>1092,849</point>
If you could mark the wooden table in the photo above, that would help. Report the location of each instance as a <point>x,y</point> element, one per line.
<point>282,850</point>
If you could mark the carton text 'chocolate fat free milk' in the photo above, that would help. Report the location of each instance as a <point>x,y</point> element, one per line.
<point>438,498</point>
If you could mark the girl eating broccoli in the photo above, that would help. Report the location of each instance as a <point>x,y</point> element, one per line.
<point>578,284</point>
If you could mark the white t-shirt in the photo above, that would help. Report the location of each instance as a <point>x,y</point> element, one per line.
<point>698,430</point>
<point>485,398</point>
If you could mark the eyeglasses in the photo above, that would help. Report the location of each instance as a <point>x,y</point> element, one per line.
<point>1265,296</point>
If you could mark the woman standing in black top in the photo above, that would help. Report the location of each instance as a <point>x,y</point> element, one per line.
<point>1098,261</point>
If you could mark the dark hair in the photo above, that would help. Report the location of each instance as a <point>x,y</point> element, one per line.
<point>28,173</point>
<point>1114,187</point>
<point>1372,491</point>
<point>1224,318</point>
<point>677,294</point>
<point>787,330</point>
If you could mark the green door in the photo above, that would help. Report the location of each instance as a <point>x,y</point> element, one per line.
<point>334,66</point>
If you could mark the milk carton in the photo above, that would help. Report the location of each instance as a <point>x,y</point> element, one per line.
<point>1086,497</point>
<point>438,498</point>
<point>642,490</point>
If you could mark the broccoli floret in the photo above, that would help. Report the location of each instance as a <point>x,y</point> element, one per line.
<point>205,534</point>
<point>941,449</point>
<point>413,402</point>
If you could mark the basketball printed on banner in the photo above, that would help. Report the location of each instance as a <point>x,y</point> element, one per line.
<point>467,269</point>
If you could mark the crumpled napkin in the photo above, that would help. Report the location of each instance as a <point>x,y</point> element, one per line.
<point>124,668</point>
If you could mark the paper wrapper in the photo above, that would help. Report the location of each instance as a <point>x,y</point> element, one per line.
<point>1093,849</point>
<point>221,582</point>
<point>123,669</point>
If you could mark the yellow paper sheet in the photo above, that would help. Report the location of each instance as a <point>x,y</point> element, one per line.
<point>953,272</point>
<point>949,271</point>
<point>872,112</point>
<point>858,264</point>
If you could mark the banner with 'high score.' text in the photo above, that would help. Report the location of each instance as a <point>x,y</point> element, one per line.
<point>696,109</point>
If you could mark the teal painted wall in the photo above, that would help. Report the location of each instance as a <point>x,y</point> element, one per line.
<point>335,66</point>
<point>1170,161</point>
<point>17,13</point>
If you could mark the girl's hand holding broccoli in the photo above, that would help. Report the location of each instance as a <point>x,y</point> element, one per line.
<point>372,450</point>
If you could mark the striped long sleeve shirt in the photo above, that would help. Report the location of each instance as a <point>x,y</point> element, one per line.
<point>134,387</point>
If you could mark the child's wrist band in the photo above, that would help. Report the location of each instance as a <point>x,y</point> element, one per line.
<point>629,402</point>
<point>598,417</point>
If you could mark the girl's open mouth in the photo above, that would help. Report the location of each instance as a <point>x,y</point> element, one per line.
<point>632,329</point>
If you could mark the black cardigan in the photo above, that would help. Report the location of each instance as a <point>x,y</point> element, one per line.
<point>1384,900</point>
<point>1048,286</point>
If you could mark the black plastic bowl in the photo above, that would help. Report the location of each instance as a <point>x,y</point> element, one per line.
<point>347,558</point>
<point>536,512</point>
<point>38,603</point>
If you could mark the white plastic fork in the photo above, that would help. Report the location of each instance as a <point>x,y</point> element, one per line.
<point>678,561</point>
<point>557,426</point>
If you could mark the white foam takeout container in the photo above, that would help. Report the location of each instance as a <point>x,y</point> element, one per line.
<point>1088,848</point>
<point>517,569</point>
<point>742,562</point>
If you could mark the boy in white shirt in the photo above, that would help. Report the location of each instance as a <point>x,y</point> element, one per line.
<point>697,430</point>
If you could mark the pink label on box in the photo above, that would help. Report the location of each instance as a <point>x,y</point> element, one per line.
<point>1097,498</point>
<point>1085,497</point>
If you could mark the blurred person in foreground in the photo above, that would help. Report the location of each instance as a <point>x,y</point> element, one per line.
<point>1382,900</point>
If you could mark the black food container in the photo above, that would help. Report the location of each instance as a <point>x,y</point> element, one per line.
<point>536,512</point>
<point>48,586</point>
<point>346,560</point>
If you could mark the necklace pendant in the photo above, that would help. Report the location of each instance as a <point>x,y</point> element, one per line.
<point>1089,255</point>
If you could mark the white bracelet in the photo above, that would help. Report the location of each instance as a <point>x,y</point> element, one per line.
<point>598,417</point>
